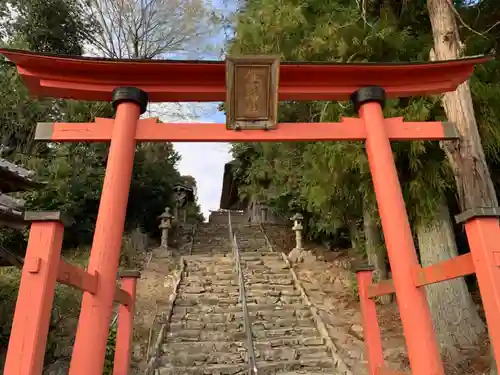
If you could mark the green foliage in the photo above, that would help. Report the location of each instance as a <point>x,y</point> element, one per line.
<point>55,26</point>
<point>330,182</point>
<point>9,283</point>
<point>63,320</point>
<point>19,113</point>
<point>110,351</point>
<point>154,177</point>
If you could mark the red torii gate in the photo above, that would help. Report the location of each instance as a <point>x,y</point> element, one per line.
<point>131,84</point>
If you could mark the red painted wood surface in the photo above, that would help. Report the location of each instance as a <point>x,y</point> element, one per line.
<point>421,341</point>
<point>446,270</point>
<point>30,326</point>
<point>124,334</point>
<point>204,81</point>
<point>374,355</point>
<point>483,234</point>
<point>95,315</point>
<point>348,129</point>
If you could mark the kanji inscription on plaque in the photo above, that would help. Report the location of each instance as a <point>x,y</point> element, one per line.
<point>252,92</point>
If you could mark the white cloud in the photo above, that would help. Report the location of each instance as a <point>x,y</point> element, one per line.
<point>205,162</point>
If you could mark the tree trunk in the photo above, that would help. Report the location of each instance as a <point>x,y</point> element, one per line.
<point>466,156</point>
<point>375,251</point>
<point>354,235</point>
<point>454,314</point>
<point>474,184</point>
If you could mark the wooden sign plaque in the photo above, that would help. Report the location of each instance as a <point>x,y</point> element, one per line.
<point>252,92</point>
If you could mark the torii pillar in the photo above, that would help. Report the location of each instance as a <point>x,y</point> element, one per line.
<point>93,326</point>
<point>412,302</point>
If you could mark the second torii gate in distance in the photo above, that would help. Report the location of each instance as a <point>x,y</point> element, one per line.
<point>252,87</point>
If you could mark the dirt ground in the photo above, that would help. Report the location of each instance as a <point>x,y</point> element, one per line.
<point>153,291</point>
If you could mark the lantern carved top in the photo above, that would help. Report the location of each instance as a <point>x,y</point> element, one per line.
<point>183,195</point>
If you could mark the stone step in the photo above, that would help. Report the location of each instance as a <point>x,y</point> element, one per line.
<point>250,239</point>
<point>210,252</point>
<point>251,256</point>
<point>238,355</point>
<point>215,288</point>
<point>322,366</point>
<point>288,308</point>
<point>263,261</point>
<point>214,300</point>
<point>211,299</point>
<point>210,270</point>
<point>221,275</point>
<point>252,282</point>
<point>270,279</point>
<point>202,359</point>
<point>211,246</point>
<point>201,291</point>
<point>267,334</point>
<point>282,277</point>
<point>258,334</point>
<point>204,260</point>
<point>270,354</point>
<point>235,346</point>
<point>195,335</point>
<point>238,325</point>
<point>251,243</point>
<point>267,273</point>
<point>253,268</point>
<point>180,313</point>
<point>206,281</point>
<point>210,260</point>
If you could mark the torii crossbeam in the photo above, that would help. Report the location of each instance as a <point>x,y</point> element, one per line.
<point>150,130</point>
<point>251,88</point>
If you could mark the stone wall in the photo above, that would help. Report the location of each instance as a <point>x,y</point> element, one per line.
<point>260,213</point>
<point>252,213</point>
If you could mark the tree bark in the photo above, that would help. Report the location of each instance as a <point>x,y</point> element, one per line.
<point>466,156</point>
<point>474,184</point>
<point>354,235</point>
<point>375,251</point>
<point>454,314</point>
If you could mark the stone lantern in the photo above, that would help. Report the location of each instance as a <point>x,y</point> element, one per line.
<point>264,210</point>
<point>297,227</point>
<point>165,225</point>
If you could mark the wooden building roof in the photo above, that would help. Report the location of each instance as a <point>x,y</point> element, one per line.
<point>229,194</point>
<point>13,178</point>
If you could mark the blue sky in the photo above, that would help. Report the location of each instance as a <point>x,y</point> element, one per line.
<point>205,161</point>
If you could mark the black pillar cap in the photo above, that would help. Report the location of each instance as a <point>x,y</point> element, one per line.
<point>477,212</point>
<point>33,216</point>
<point>130,94</point>
<point>367,95</point>
<point>363,267</point>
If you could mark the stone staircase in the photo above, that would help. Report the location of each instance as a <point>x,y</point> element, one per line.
<point>206,331</point>
<point>286,338</point>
